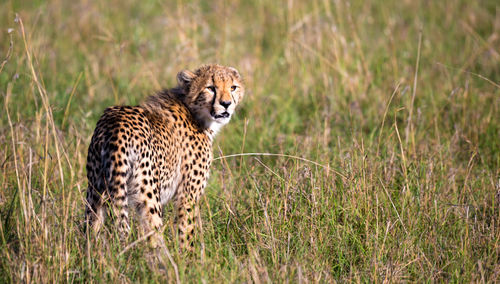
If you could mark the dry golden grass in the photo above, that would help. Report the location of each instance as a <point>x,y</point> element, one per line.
<point>381,120</point>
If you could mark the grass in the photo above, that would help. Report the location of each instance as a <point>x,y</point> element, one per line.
<point>383,118</point>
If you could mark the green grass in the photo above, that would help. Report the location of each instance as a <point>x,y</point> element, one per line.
<point>409,183</point>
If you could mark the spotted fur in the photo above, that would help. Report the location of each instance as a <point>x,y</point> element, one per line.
<point>144,156</point>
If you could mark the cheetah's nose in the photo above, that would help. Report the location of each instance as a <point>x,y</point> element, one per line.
<point>225,103</point>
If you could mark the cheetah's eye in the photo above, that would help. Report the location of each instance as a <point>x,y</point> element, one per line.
<point>211,89</point>
<point>233,88</point>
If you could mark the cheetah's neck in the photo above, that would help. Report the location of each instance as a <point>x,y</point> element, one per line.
<point>156,104</point>
<point>213,129</point>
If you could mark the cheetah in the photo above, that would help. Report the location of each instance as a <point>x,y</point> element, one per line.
<point>143,156</point>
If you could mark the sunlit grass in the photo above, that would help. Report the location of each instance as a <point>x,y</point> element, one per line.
<point>382,118</point>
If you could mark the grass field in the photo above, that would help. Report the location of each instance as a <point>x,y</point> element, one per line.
<point>384,117</point>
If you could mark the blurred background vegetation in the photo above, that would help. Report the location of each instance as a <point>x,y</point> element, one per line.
<point>396,103</point>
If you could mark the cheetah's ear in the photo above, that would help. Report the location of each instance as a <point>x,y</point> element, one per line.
<point>235,72</point>
<point>184,78</point>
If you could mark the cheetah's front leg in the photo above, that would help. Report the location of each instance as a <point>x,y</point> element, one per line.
<point>151,213</point>
<point>187,213</point>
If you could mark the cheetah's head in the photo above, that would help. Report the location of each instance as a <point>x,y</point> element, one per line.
<point>212,93</point>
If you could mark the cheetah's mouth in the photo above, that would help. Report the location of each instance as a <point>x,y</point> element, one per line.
<point>222,115</point>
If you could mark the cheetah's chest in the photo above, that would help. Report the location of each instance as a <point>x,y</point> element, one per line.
<point>182,157</point>
<point>169,184</point>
